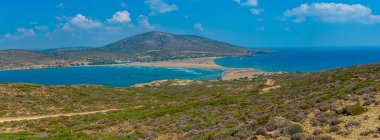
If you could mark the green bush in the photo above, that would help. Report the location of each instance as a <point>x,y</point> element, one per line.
<point>263,119</point>
<point>305,106</point>
<point>354,110</point>
<point>295,128</point>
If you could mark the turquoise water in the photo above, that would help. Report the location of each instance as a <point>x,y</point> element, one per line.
<point>305,59</point>
<point>117,76</point>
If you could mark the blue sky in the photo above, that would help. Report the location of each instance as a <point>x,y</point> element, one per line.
<point>37,24</point>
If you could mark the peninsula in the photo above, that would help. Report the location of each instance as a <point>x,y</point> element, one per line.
<point>206,63</point>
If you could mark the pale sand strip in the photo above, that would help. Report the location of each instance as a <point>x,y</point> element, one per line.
<point>10,119</point>
<point>206,63</point>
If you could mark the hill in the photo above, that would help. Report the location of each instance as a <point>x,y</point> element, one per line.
<point>69,49</point>
<point>159,45</point>
<point>20,59</point>
<point>336,104</point>
<point>151,46</point>
<point>156,46</point>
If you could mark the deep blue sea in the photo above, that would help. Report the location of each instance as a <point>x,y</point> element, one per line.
<point>117,76</point>
<point>306,59</point>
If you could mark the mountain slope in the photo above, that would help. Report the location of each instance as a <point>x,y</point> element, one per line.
<point>167,45</point>
<point>10,59</point>
<point>157,46</point>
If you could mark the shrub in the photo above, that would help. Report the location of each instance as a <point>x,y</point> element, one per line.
<point>263,119</point>
<point>317,131</point>
<point>334,128</point>
<point>298,136</point>
<point>276,123</point>
<point>326,97</point>
<point>352,125</point>
<point>231,132</point>
<point>324,138</point>
<point>354,110</point>
<point>305,106</point>
<point>261,131</point>
<point>294,128</point>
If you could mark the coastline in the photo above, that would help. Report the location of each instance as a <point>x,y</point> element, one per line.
<point>205,63</point>
<point>202,63</point>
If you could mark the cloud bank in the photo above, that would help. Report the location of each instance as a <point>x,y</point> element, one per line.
<point>333,13</point>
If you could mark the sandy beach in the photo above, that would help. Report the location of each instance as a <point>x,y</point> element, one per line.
<point>206,63</point>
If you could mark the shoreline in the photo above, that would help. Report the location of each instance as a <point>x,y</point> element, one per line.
<point>202,63</point>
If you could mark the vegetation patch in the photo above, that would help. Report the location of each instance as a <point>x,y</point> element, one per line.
<point>354,110</point>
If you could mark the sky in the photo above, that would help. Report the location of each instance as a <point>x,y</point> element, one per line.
<point>44,24</point>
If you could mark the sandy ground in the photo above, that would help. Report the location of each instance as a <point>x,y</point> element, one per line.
<point>206,63</point>
<point>271,85</point>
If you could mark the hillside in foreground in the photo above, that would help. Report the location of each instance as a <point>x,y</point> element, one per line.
<point>151,46</point>
<point>336,104</point>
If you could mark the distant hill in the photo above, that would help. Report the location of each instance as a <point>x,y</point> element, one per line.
<point>161,45</point>
<point>10,59</point>
<point>157,46</point>
<point>150,46</point>
<point>68,49</point>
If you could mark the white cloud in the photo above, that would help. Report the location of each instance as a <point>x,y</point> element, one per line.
<point>333,13</point>
<point>287,28</point>
<point>21,33</point>
<point>81,22</point>
<point>248,2</point>
<point>199,27</point>
<point>261,28</point>
<point>256,11</point>
<point>123,4</point>
<point>260,19</point>
<point>120,17</point>
<point>26,32</point>
<point>160,6</point>
<point>41,28</point>
<point>144,22</point>
<point>60,5</point>
<point>282,19</point>
<point>10,36</point>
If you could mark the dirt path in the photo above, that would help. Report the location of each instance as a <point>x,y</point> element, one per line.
<point>9,119</point>
<point>271,84</point>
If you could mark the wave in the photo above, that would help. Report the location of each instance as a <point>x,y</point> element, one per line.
<point>188,71</point>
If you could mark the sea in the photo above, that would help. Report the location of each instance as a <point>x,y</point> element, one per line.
<point>285,59</point>
<point>115,76</point>
<point>305,59</point>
